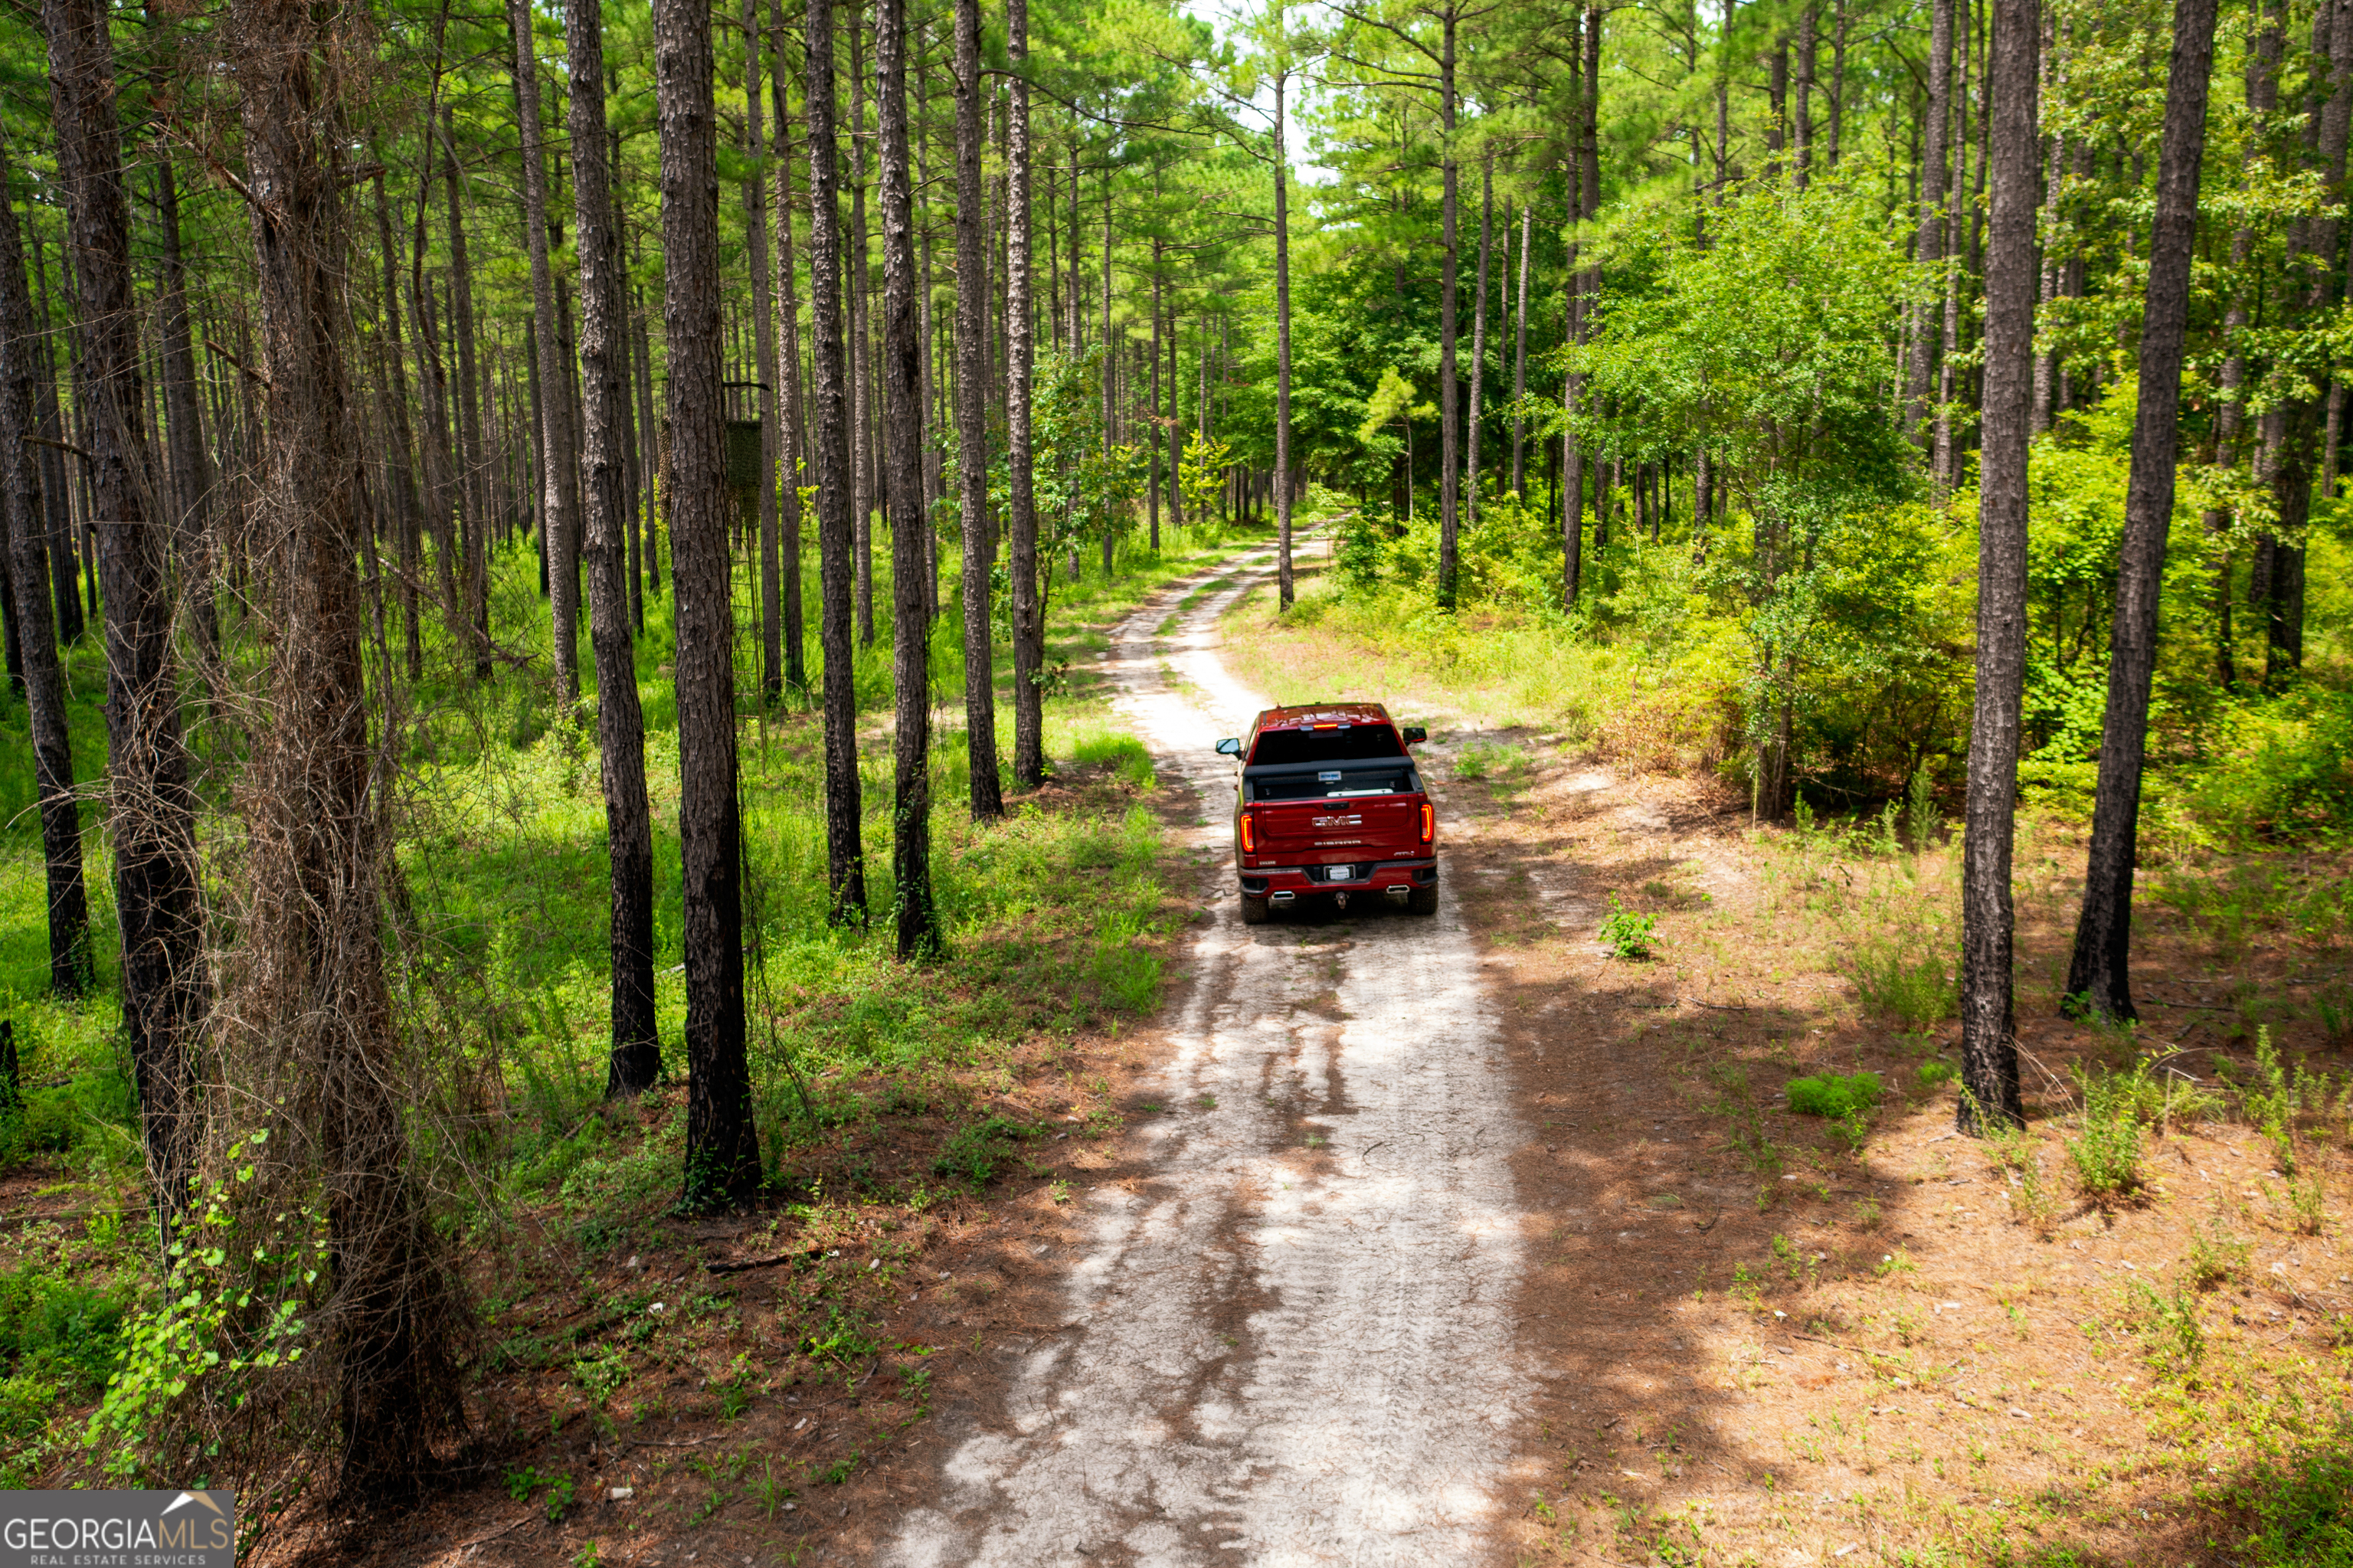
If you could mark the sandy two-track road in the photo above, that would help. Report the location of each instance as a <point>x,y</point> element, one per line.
<point>1292,1344</point>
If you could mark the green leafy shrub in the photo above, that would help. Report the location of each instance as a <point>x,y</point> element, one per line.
<point>1836,1097</point>
<point>2162,1096</point>
<point>1625,935</point>
<point>2285,772</point>
<point>58,1330</point>
<point>976,1149</point>
<point>1934,1075</point>
<point>1846,1102</point>
<point>1899,975</point>
<point>2271,1101</point>
<point>1736,1101</point>
<point>2306,1516</point>
<point>2216,1256</point>
<point>1358,552</point>
<point>2169,1325</point>
<point>2106,1149</point>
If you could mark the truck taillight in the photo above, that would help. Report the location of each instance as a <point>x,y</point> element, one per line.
<point>1429,822</point>
<point>1250,831</point>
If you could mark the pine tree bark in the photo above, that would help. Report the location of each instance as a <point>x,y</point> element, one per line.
<point>633,455</point>
<point>972,423</point>
<point>1801,124</point>
<point>1283,326</point>
<point>863,480</point>
<point>1479,328</point>
<point>1838,84</point>
<point>651,439</point>
<point>2292,426</point>
<point>764,352</point>
<point>1021,523</point>
<point>1110,376</point>
<point>432,383</point>
<point>1450,394</point>
<point>1944,452</point>
<point>151,808</point>
<point>33,616</point>
<point>56,491</point>
<point>722,1155</point>
<point>393,1312</point>
<point>473,512</point>
<point>2099,975</point>
<point>830,440</point>
<point>790,443</point>
<point>635,1060</point>
<point>559,475</point>
<point>1989,1044</point>
<point>1159,307</point>
<point>184,424</point>
<point>405,503</point>
<point>1520,365</point>
<point>902,385</point>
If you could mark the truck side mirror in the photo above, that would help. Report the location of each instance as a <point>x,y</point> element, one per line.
<point>1229,747</point>
<point>1414,735</point>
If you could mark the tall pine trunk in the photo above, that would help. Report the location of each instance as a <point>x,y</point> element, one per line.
<point>151,808</point>
<point>764,352</point>
<point>28,572</point>
<point>1989,1044</point>
<point>971,422</point>
<point>901,386</point>
<point>321,995</point>
<point>1479,332</point>
<point>863,481</point>
<point>830,441</point>
<point>1520,364</point>
<point>559,476</point>
<point>636,1050</point>
<point>789,447</point>
<point>404,499</point>
<point>1282,327</point>
<point>185,433</point>
<point>432,380</point>
<point>1450,399</point>
<point>2098,976</point>
<point>472,468</point>
<point>1021,525</point>
<point>722,1156</point>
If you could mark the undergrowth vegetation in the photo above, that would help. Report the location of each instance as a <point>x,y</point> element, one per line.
<point>874,1084</point>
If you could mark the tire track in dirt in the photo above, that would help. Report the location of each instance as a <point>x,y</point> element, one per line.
<point>1292,1343</point>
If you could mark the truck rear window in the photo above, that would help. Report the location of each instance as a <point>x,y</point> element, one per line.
<point>1319,784</point>
<point>1346,743</point>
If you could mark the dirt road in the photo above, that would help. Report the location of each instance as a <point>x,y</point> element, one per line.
<point>1292,1344</point>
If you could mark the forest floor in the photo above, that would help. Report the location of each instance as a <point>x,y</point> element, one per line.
<point>1156,1294</point>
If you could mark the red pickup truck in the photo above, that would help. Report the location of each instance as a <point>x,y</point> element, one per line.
<point>1330,804</point>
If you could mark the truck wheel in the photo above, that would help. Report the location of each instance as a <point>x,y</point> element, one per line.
<point>1423,900</point>
<point>1254,909</point>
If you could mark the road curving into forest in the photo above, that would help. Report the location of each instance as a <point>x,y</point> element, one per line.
<point>1292,1342</point>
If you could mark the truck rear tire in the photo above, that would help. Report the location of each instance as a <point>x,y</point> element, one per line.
<point>1423,900</point>
<point>1254,909</point>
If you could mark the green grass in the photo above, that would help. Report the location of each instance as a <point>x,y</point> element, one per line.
<point>1835,1095</point>
<point>500,841</point>
<point>1052,920</point>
